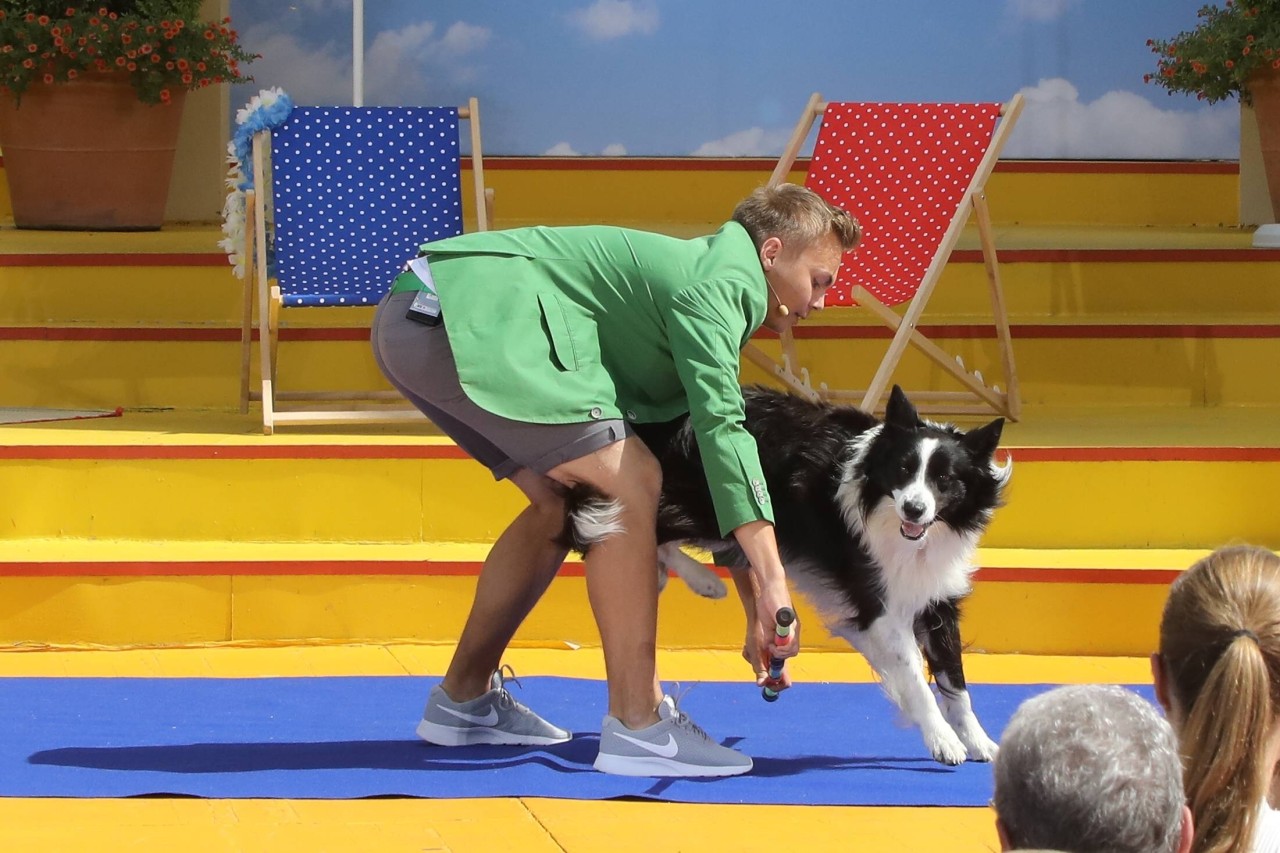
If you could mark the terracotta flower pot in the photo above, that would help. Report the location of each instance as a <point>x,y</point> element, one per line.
<point>87,155</point>
<point>1264,87</point>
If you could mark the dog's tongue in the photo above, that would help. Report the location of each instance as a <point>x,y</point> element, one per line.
<point>912,530</point>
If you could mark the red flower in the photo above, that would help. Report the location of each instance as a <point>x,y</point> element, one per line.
<point>1230,64</point>
<point>120,60</point>
<point>44,20</point>
<point>165,96</point>
<point>48,78</point>
<point>72,73</point>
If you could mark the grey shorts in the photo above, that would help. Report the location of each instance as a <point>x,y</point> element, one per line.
<point>418,361</point>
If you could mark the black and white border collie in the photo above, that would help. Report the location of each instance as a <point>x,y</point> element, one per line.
<point>876,524</point>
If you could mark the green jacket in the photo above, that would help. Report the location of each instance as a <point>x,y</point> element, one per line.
<point>564,325</point>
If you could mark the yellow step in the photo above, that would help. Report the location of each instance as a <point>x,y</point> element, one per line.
<point>1058,363</point>
<point>1085,478</point>
<point>550,190</point>
<point>82,592</point>
<point>179,278</point>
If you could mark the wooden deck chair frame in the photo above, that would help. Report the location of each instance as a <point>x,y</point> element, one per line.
<point>364,407</point>
<point>978,398</point>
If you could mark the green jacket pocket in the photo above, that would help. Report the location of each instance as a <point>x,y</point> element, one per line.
<point>557,325</point>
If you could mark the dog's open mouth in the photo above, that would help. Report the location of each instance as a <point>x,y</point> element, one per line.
<point>914,532</point>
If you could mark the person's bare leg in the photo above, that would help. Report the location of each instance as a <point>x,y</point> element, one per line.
<point>622,578</point>
<point>517,571</point>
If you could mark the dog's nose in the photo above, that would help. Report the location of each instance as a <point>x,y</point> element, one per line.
<point>913,509</point>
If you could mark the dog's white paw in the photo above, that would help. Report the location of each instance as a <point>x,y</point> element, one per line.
<point>699,578</point>
<point>980,747</point>
<point>946,747</point>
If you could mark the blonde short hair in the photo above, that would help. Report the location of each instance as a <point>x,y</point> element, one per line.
<point>795,214</point>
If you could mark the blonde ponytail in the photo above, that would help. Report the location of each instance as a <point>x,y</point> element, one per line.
<point>1220,744</point>
<point>1220,642</point>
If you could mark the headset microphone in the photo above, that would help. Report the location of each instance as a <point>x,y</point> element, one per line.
<point>783,310</point>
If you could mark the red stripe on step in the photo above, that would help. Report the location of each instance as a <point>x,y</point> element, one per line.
<point>135,334</point>
<point>254,568</point>
<point>961,256</point>
<point>1113,256</point>
<point>1160,577</point>
<point>1046,331</point>
<point>360,334</point>
<point>228,452</point>
<point>1144,454</point>
<point>115,259</point>
<point>429,568</point>
<point>451,451</point>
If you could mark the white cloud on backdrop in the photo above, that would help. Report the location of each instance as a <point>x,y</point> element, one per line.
<point>564,149</point>
<point>1038,10</point>
<point>393,72</point>
<point>610,19</point>
<point>1056,123</point>
<point>752,142</point>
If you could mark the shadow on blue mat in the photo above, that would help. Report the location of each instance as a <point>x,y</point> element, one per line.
<point>345,738</point>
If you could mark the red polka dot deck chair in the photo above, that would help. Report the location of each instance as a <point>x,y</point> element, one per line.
<point>912,175</point>
<point>352,193</point>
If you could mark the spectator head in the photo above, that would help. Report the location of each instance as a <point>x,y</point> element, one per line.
<point>1218,676</point>
<point>1090,768</point>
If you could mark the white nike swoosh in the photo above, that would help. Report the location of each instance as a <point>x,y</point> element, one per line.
<point>665,750</point>
<point>487,720</point>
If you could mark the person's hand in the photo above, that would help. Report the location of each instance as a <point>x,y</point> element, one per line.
<point>767,644</point>
<point>763,591</point>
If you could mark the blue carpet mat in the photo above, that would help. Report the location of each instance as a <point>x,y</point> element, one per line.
<point>350,737</point>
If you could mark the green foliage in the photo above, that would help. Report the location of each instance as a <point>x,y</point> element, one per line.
<point>162,45</point>
<point>1214,60</point>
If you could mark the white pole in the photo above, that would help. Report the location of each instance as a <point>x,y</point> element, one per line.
<point>357,53</point>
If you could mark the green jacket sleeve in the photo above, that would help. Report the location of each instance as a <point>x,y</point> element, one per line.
<point>706,328</point>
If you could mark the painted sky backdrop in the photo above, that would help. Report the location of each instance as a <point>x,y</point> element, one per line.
<point>730,77</point>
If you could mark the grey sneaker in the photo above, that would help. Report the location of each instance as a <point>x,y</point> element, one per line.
<point>494,717</point>
<point>673,746</point>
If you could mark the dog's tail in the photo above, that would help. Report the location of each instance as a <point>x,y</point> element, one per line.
<point>591,516</point>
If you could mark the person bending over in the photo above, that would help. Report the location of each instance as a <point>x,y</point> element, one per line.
<point>536,350</point>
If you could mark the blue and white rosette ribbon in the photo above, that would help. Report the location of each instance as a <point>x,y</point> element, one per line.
<point>266,110</point>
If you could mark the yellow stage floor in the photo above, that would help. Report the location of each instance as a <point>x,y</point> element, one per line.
<point>485,825</point>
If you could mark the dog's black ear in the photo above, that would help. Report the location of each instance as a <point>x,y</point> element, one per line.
<point>982,441</point>
<point>899,412</point>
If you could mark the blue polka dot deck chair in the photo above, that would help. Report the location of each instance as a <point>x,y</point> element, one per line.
<point>352,193</point>
<point>912,175</point>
